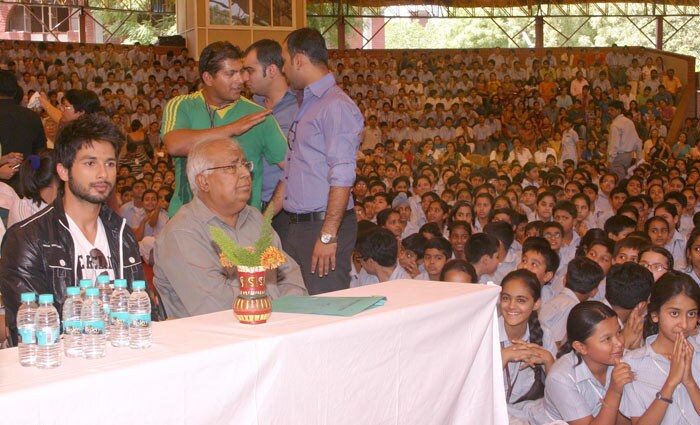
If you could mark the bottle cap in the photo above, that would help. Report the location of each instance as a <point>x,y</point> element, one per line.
<point>92,292</point>
<point>85,283</point>
<point>72,290</point>
<point>103,278</point>
<point>138,284</point>
<point>120,283</point>
<point>28,297</point>
<point>46,299</point>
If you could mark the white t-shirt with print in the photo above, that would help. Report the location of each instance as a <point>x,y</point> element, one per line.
<point>91,260</point>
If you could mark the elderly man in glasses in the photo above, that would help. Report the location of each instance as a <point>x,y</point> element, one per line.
<point>188,274</point>
<point>78,236</point>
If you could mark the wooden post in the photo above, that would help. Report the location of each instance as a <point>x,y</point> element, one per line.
<point>539,32</point>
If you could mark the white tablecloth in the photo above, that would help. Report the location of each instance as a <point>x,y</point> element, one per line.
<point>428,357</point>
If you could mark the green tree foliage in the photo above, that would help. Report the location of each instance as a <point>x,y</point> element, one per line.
<point>431,33</point>
<point>137,27</point>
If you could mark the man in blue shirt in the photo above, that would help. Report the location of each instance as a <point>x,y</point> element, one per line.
<point>262,74</point>
<point>320,166</point>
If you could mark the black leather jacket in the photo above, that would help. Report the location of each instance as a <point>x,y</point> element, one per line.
<point>38,256</point>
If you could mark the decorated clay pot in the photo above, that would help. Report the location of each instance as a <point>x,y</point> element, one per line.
<point>252,305</point>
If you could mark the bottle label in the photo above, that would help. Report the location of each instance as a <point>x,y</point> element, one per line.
<point>72,327</point>
<point>140,320</point>
<point>94,327</point>
<point>27,335</point>
<point>47,337</point>
<point>119,319</point>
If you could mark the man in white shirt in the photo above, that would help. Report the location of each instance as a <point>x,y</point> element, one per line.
<point>623,140</point>
<point>371,135</point>
<point>577,84</point>
<point>133,210</point>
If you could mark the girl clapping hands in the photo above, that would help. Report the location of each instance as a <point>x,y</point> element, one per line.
<point>668,366</point>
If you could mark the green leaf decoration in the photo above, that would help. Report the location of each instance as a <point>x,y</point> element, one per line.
<point>244,256</point>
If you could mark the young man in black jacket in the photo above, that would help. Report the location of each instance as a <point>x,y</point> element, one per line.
<point>78,236</point>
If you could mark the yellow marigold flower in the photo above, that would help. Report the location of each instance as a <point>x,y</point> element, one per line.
<point>224,261</point>
<point>272,258</point>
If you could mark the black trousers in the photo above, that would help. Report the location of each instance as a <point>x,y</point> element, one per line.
<point>299,244</point>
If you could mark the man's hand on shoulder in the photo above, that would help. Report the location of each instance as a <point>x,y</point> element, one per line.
<point>247,122</point>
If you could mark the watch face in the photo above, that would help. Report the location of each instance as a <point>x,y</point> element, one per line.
<point>325,238</point>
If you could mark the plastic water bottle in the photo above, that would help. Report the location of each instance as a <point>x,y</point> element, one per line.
<point>139,316</point>
<point>48,329</point>
<point>84,284</point>
<point>93,318</point>
<point>26,317</point>
<point>119,314</point>
<point>102,283</point>
<point>72,323</point>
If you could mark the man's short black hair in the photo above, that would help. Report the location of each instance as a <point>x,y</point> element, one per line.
<point>628,284</point>
<point>583,275</point>
<point>380,245</point>
<point>678,197</point>
<point>214,54</point>
<point>479,245</point>
<point>501,231</point>
<point>269,52</point>
<point>441,244</point>
<point>633,242</point>
<point>83,100</point>
<point>416,243</point>
<point>308,42</point>
<point>566,206</point>
<point>84,131</point>
<point>618,223</point>
<point>541,246</point>
<point>383,216</point>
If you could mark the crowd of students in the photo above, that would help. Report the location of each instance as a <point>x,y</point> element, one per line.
<point>599,275</point>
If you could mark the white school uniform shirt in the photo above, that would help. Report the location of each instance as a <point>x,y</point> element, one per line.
<point>602,203</point>
<point>677,248</point>
<point>571,391</point>
<point>522,379</point>
<point>600,295</point>
<point>695,277</point>
<point>548,293</point>
<point>423,275</point>
<point>567,252</point>
<point>364,278</point>
<point>410,229</point>
<point>506,266</point>
<point>417,214</point>
<point>590,221</point>
<point>557,282</point>
<point>602,216</point>
<point>553,314</point>
<point>651,370</point>
<point>686,225</point>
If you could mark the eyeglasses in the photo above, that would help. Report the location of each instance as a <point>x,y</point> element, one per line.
<point>98,258</point>
<point>656,267</point>
<point>233,168</point>
<point>292,136</point>
<point>556,235</point>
